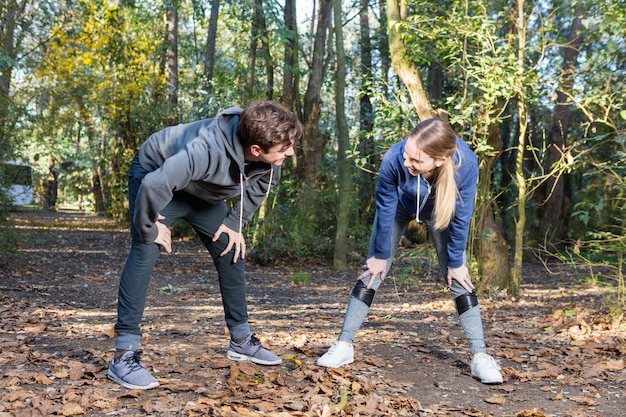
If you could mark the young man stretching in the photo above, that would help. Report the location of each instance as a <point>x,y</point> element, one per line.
<point>188,171</point>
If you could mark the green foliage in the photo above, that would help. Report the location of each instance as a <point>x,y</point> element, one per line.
<point>9,237</point>
<point>415,265</point>
<point>97,88</point>
<point>290,233</point>
<point>300,278</point>
<point>599,214</point>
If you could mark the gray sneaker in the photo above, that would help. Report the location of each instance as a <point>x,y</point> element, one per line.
<point>128,372</point>
<point>252,350</point>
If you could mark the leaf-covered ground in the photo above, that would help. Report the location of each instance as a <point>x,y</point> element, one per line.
<point>561,354</point>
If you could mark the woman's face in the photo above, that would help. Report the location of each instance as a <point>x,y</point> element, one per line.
<point>419,162</point>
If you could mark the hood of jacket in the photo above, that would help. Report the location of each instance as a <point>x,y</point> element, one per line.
<point>205,159</point>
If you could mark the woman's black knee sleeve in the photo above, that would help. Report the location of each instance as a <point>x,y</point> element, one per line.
<point>465,301</point>
<point>361,292</point>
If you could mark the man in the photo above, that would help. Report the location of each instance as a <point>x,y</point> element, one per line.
<point>188,171</point>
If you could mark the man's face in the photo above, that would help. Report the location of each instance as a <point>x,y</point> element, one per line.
<point>417,161</point>
<point>276,154</point>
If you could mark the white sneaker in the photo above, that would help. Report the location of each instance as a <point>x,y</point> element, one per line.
<point>485,368</point>
<point>340,353</point>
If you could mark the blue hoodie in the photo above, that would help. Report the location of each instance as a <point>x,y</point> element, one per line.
<point>397,186</point>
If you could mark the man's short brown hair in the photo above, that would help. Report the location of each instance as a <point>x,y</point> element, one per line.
<point>267,124</point>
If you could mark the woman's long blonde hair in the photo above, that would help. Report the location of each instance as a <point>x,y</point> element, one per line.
<point>437,139</point>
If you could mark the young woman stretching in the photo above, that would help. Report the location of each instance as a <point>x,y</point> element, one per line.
<point>430,176</point>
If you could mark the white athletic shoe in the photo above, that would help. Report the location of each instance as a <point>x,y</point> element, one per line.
<point>485,368</point>
<point>340,353</point>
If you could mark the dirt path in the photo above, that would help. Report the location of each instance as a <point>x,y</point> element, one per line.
<point>561,354</point>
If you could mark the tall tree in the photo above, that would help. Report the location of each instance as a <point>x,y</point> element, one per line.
<point>255,30</point>
<point>171,13</point>
<point>209,52</point>
<point>555,208</point>
<point>406,70</point>
<point>290,96</point>
<point>259,35</point>
<point>11,13</point>
<point>520,180</point>
<point>23,24</point>
<point>311,216</point>
<point>344,208</point>
<point>383,46</point>
<point>492,250</point>
<point>366,113</point>
<point>313,142</point>
<point>267,55</point>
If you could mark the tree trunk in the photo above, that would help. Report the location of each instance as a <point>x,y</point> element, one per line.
<point>267,55</point>
<point>340,259</point>
<point>96,189</point>
<point>290,98</point>
<point>555,209</point>
<point>9,44</point>
<point>383,47</point>
<point>254,39</point>
<point>367,184</point>
<point>491,249</point>
<point>435,84</point>
<point>52,186</point>
<point>209,52</point>
<point>404,68</point>
<point>171,13</point>
<point>520,180</point>
<point>311,150</point>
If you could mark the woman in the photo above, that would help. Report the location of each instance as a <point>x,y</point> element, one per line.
<point>430,176</point>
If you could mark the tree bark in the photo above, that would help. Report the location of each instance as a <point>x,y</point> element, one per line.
<point>405,69</point>
<point>367,184</point>
<point>11,13</point>
<point>520,180</point>
<point>435,84</point>
<point>555,208</point>
<point>171,13</point>
<point>311,150</point>
<point>209,52</point>
<point>491,249</point>
<point>340,259</point>
<point>254,39</point>
<point>267,55</point>
<point>383,47</point>
<point>290,96</point>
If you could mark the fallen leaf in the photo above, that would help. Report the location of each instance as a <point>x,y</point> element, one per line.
<point>496,400</point>
<point>72,409</point>
<point>530,413</point>
<point>42,379</point>
<point>582,400</point>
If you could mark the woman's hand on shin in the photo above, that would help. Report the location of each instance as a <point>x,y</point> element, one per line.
<point>373,267</point>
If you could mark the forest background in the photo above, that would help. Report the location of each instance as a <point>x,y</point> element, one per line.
<point>535,88</point>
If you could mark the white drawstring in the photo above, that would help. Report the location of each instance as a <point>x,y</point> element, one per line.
<point>240,209</point>
<point>267,193</point>
<point>269,186</point>
<point>420,207</point>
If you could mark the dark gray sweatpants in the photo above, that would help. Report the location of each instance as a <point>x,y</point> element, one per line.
<point>205,218</point>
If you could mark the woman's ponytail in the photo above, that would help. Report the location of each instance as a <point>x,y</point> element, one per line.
<point>437,139</point>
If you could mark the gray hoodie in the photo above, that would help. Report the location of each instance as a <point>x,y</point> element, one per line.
<point>206,160</point>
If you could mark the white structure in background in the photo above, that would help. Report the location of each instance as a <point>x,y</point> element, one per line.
<point>18,177</point>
